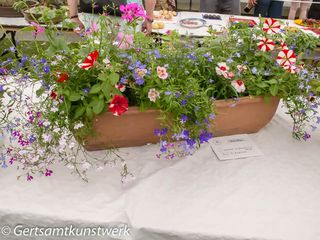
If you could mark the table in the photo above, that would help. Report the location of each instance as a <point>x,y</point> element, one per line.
<point>275,196</point>
<point>216,24</point>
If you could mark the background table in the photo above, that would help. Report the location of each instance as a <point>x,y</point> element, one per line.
<point>216,24</point>
<point>272,197</point>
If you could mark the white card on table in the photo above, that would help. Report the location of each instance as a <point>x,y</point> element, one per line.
<point>234,147</point>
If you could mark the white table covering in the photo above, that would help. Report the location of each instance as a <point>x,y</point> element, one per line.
<point>216,24</point>
<point>272,197</point>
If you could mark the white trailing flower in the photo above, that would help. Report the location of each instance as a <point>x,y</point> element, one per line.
<point>47,137</point>
<point>56,130</point>
<point>46,123</point>
<point>78,125</point>
<point>106,61</point>
<point>59,57</point>
<point>54,109</point>
<point>85,166</point>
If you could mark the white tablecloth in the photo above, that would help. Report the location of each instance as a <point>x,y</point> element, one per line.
<point>272,197</point>
<point>216,24</point>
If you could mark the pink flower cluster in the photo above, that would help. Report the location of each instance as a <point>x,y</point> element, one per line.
<point>132,11</point>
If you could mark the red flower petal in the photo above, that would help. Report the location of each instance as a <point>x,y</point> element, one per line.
<point>118,105</point>
<point>53,95</point>
<point>90,60</point>
<point>63,77</point>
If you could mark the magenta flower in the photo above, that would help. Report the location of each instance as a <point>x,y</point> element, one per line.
<point>29,177</point>
<point>48,173</point>
<point>131,11</point>
<point>37,29</point>
<point>125,41</point>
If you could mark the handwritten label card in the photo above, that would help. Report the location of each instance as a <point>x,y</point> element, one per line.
<point>234,147</point>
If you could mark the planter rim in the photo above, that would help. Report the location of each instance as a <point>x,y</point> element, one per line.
<point>242,100</point>
<point>220,103</point>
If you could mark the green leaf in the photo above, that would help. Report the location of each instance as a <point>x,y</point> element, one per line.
<point>79,112</point>
<point>114,78</point>
<point>318,89</point>
<point>89,112</point>
<point>67,105</point>
<point>274,89</point>
<point>74,96</point>
<point>272,81</point>
<point>95,89</point>
<point>66,93</point>
<point>98,106</point>
<point>262,85</point>
<point>105,87</point>
<point>27,29</point>
<point>103,76</point>
<point>39,92</point>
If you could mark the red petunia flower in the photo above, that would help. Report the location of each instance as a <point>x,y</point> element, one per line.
<point>271,26</point>
<point>118,105</point>
<point>62,77</point>
<point>90,60</point>
<point>53,95</point>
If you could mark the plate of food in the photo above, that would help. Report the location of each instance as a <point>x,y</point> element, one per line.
<point>164,15</point>
<point>192,22</point>
<point>309,22</point>
<point>158,25</point>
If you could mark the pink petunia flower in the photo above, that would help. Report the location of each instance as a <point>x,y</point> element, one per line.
<point>265,44</point>
<point>223,70</point>
<point>37,29</point>
<point>271,26</point>
<point>90,60</point>
<point>153,94</point>
<point>162,72</point>
<point>125,41</point>
<point>132,11</point>
<point>286,57</point>
<point>238,86</point>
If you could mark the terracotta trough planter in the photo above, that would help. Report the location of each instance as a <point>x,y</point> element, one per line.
<point>135,128</point>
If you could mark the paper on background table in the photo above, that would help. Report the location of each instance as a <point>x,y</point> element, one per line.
<point>234,147</point>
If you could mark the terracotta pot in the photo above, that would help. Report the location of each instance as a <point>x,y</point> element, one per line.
<point>135,128</point>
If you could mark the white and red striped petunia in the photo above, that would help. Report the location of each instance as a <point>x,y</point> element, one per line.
<point>286,57</point>
<point>271,26</point>
<point>90,60</point>
<point>283,44</point>
<point>265,44</point>
<point>121,87</point>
